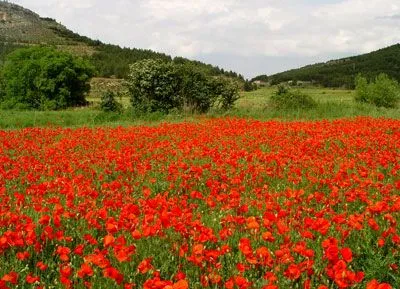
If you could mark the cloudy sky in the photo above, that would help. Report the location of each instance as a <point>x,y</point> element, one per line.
<point>249,36</point>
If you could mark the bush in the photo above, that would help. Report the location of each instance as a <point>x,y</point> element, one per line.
<point>249,86</point>
<point>155,85</point>
<point>284,98</point>
<point>44,78</point>
<point>226,92</point>
<point>196,89</point>
<point>382,92</point>
<point>109,103</point>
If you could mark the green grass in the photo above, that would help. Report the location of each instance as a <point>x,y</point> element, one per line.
<point>332,104</point>
<point>91,117</point>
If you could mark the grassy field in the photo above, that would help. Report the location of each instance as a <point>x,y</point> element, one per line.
<point>332,104</point>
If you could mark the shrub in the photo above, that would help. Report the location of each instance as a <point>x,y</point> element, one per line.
<point>2,87</point>
<point>249,86</point>
<point>382,92</point>
<point>155,85</point>
<point>362,90</point>
<point>226,92</point>
<point>109,103</point>
<point>196,89</point>
<point>284,98</point>
<point>44,78</point>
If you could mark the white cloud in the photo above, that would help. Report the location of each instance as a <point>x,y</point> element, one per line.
<point>290,29</point>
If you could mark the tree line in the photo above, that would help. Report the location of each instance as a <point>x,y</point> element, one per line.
<point>343,72</point>
<point>45,78</point>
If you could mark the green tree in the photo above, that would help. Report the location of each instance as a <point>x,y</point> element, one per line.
<point>382,91</point>
<point>285,98</point>
<point>226,91</point>
<point>248,86</point>
<point>45,78</point>
<point>196,90</point>
<point>362,90</point>
<point>155,85</point>
<point>109,103</point>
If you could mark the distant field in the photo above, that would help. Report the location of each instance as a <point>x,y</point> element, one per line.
<point>259,97</point>
<point>332,104</point>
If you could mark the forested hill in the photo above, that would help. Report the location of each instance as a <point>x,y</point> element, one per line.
<point>21,27</point>
<point>341,72</point>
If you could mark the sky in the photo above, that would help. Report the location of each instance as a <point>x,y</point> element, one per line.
<point>251,37</point>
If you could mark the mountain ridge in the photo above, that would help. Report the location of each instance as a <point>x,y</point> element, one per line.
<point>342,72</point>
<point>21,27</point>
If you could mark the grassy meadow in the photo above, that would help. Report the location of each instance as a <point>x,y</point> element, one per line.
<point>332,104</point>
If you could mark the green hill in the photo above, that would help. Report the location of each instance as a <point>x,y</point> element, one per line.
<point>21,27</point>
<point>341,72</point>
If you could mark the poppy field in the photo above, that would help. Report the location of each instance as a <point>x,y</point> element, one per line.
<point>218,203</point>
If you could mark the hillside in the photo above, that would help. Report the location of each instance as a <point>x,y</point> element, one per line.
<point>341,72</point>
<point>21,27</point>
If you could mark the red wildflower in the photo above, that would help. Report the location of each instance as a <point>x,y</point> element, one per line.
<point>145,266</point>
<point>347,254</point>
<point>374,284</point>
<point>30,279</point>
<point>108,240</point>
<point>292,272</point>
<point>11,277</point>
<point>181,284</point>
<point>85,270</point>
<point>41,266</point>
<point>114,274</point>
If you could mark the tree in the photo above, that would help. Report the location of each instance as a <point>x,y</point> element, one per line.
<point>382,91</point>
<point>362,90</point>
<point>248,86</point>
<point>226,91</point>
<point>44,78</point>
<point>196,90</point>
<point>155,85</point>
<point>109,103</point>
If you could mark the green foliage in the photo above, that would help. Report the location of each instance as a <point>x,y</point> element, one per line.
<point>71,36</point>
<point>249,86</point>
<point>342,72</point>
<point>284,98</point>
<point>155,85</point>
<point>362,89</point>
<point>332,104</point>
<point>263,78</point>
<point>196,91</point>
<point>44,78</point>
<point>382,92</point>
<point>113,61</point>
<point>109,103</point>
<point>6,49</point>
<point>208,68</point>
<point>226,91</point>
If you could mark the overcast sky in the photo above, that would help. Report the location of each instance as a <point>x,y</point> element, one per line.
<point>249,36</point>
